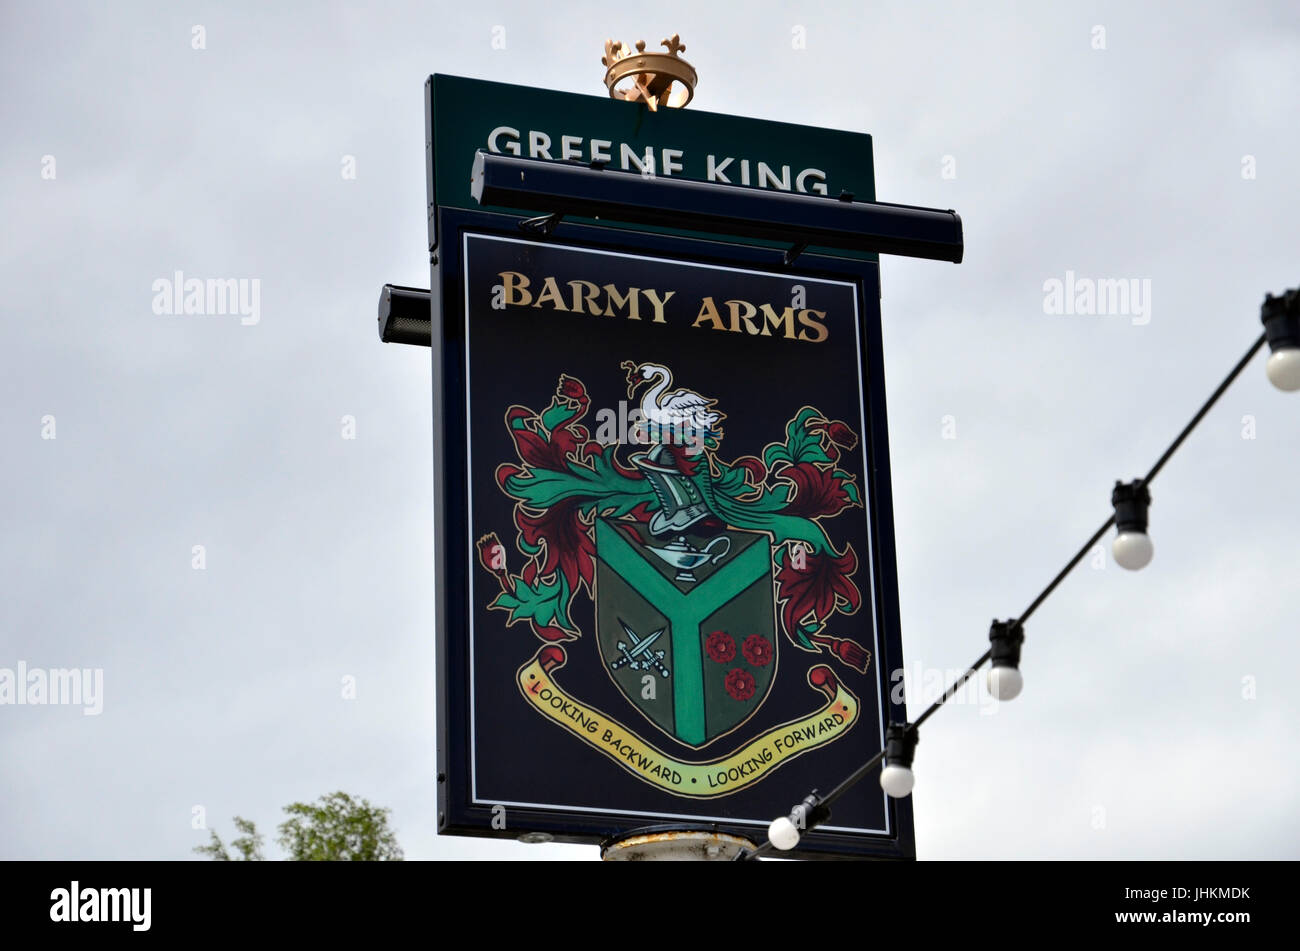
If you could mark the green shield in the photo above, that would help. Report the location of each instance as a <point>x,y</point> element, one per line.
<point>686,625</point>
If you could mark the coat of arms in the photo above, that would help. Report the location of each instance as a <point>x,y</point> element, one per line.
<point>698,569</point>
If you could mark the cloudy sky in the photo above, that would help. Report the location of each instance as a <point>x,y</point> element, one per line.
<point>1155,142</point>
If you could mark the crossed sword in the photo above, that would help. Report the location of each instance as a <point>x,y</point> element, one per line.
<point>640,649</point>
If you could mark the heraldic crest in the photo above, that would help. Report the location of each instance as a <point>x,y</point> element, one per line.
<point>700,571</point>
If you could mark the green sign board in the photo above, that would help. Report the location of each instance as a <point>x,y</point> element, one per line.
<point>466,115</point>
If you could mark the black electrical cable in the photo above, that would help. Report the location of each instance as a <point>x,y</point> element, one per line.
<point>1214,398</point>
<point>857,775</point>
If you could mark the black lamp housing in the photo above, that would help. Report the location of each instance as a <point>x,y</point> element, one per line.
<point>1131,501</point>
<point>900,744</point>
<point>810,813</point>
<point>1281,318</point>
<point>1006,638</point>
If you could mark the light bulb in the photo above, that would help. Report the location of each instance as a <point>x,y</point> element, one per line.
<point>896,781</point>
<point>1132,550</point>
<point>782,834</point>
<point>1283,368</point>
<point>1005,683</point>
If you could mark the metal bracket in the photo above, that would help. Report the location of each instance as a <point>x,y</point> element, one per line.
<point>575,190</point>
<point>542,224</point>
<point>404,315</point>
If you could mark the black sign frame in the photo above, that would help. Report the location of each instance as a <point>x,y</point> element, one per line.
<point>457,812</point>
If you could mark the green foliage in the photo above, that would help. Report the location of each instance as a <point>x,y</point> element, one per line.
<point>545,603</point>
<point>849,484</point>
<point>602,487</point>
<point>336,828</point>
<point>557,414</point>
<point>801,445</point>
<point>248,845</point>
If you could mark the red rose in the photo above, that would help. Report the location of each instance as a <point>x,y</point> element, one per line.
<point>740,683</point>
<point>491,555</point>
<point>757,650</point>
<point>841,435</point>
<point>817,492</point>
<point>571,389</point>
<point>720,647</point>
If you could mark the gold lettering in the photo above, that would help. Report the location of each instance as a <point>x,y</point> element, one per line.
<point>618,300</point>
<point>593,292</point>
<point>818,329</point>
<point>784,323</point>
<point>709,312</point>
<point>550,292</point>
<point>658,303</point>
<point>747,315</point>
<point>514,282</point>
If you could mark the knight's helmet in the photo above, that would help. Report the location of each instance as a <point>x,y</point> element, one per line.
<point>680,503</point>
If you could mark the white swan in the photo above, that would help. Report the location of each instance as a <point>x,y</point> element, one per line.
<point>681,409</point>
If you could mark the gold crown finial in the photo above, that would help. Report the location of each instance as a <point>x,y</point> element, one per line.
<point>657,79</point>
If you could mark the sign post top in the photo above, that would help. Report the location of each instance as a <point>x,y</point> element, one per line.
<point>465,115</point>
<point>656,78</point>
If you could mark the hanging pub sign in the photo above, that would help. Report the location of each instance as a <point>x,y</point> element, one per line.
<point>666,592</point>
<point>674,594</point>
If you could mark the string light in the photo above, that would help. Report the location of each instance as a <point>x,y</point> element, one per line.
<point>1130,501</point>
<point>896,778</point>
<point>1004,679</point>
<point>784,832</point>
<point>1132,546</point>
<point>1281,317</point>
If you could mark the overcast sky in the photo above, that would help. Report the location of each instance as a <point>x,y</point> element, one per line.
<point>1159,717</point>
